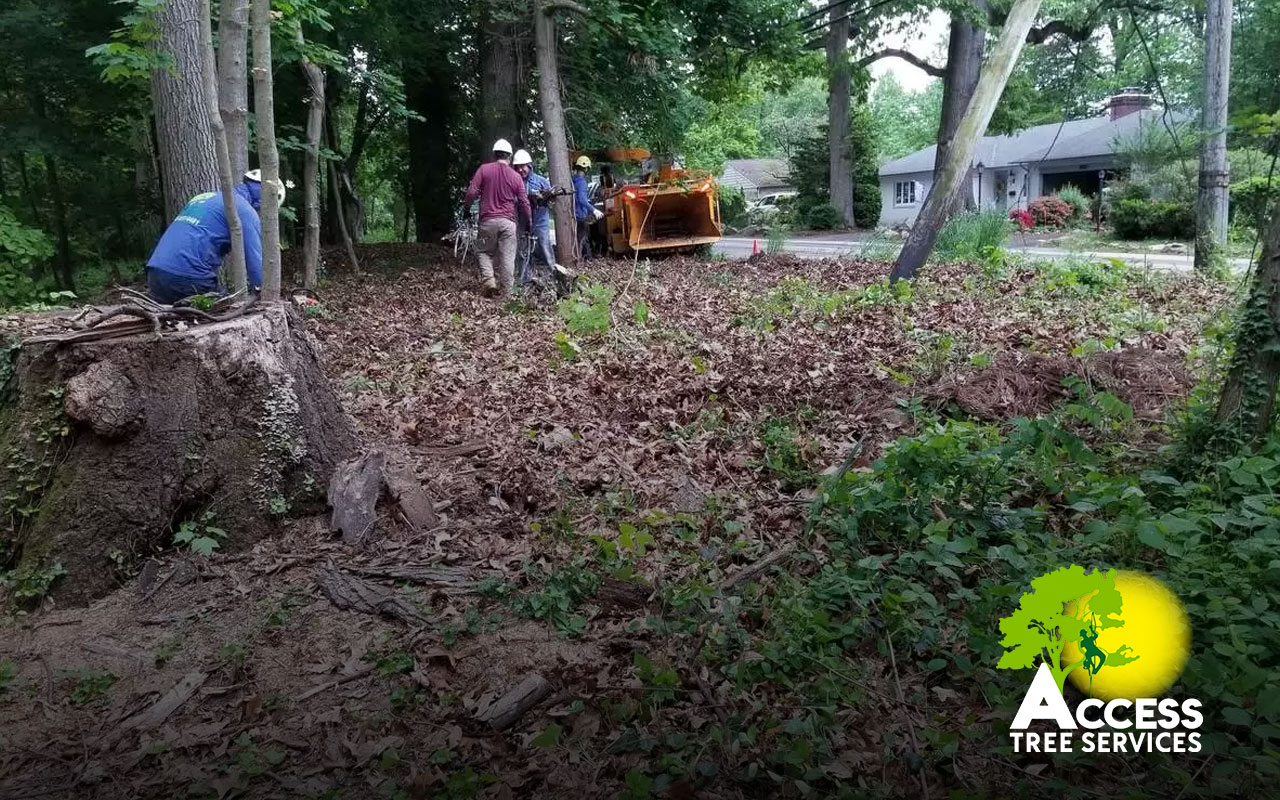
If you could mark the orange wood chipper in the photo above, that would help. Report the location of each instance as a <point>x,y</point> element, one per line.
<point>651,206</point>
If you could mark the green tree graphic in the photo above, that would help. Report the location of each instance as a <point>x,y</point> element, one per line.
<point>1049,616</point>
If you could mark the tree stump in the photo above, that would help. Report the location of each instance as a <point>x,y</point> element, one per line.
<point>107,448</point>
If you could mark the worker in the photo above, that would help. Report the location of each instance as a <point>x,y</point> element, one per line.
<point>583,211</point>
<point>540,196</point>
<point>502,194</point>
<point>189,255</point>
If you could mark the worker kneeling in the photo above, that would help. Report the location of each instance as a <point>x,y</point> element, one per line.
<point>189,255</point>
<point>502,194</point>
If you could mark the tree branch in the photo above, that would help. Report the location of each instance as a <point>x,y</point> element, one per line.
<point>910,58</point>
<point>1076,33</point>
<point>565,5</point>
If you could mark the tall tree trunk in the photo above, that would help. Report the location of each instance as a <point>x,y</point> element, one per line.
<point>268,156</point>
<point>1211,205</point>
<point>233,80</point>
<point>234,264</point>
<point>544,33</point>
<point>340,216</point>
<point>311,168</point>
<point>25,179</point>
<point>950,178</point>
<point>498,81</point>
<point>345,167</point>
<point>1246,407</point>
<point>66,278</point>
<point>964,63</point>
<point>184,132</point>
<point>432,93</point>
<point>839,92</point>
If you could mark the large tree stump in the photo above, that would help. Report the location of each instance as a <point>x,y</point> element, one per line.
<point>107,447</point>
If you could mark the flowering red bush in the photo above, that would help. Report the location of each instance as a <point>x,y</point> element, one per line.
<point>1051,212</point>
<point>1023,219</point>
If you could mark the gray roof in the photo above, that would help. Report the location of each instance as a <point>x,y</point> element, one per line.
<point>1081,138</point>
<point>761,172</point>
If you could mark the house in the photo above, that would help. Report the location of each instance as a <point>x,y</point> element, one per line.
<point>757,177</point>
<point>1010,171</point>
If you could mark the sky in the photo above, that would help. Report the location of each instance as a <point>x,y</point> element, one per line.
<point>927,40</point>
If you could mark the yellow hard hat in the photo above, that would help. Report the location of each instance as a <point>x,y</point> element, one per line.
<point>583,162</point>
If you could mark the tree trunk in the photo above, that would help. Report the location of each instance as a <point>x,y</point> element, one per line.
<point>66,278</point>
<point>498,81</point>
<point>234,265</point>
<point>234,419</point>
<point>345,166</point>
<point>1246,407</point>
<point>964,64</point>
<point>544,32</point>
<point>1211,205</point>
<point>342,220</point>
<point>950,178</point>
<point>839,92</point>
<point>233,81</point>
<point>184,132</point>
<point>311,169</point>
<point>431,92</point>
<point>268,156</point>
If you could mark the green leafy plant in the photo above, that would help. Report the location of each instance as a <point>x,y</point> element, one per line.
<point>1077,200</point>
<point>586,311</point>
<point>199,535</point>
<point>971,236</point>
<point>91,686</point>
<point>21,249</point>
<point>28,585</point>
<point>8,671</point>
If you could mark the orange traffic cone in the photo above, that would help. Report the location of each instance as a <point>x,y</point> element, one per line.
<point>755,246</point>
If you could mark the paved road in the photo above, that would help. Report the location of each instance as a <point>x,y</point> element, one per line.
<point>836,245</point>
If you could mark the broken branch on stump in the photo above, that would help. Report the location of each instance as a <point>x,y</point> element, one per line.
<point>503,712</point>
<point>353,493</point>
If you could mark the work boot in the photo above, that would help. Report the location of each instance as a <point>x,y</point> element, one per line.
<point>489,290</point>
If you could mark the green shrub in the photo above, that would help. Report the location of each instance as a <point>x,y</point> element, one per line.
<point>1152,219</point>
<point>1253,199</point>
<point>972,236</point>
<point>733,207</point>
<point>21,248</point>
<point>822,217</point>
<point>1078,200</point>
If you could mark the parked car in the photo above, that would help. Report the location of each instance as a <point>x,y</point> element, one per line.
<point>766,207</point>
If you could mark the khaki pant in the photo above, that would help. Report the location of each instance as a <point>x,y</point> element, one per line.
<point>496,252</point>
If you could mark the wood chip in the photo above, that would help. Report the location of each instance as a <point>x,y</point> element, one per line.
<point>356,594</point>
<point>353,495</point>
<point>507,709</point>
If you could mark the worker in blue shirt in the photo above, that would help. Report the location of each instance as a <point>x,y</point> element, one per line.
<point>189,255</point>
<point>583,211</point>
<point>540,196</point>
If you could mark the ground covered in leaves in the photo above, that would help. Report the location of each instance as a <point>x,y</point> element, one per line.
<point>627,484</point>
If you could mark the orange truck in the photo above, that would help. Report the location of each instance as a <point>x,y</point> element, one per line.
<point>661,209</point>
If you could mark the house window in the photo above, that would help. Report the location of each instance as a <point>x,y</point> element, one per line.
<point>904,193</point>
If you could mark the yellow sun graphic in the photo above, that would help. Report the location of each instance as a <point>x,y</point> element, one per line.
<point>1145,655</point>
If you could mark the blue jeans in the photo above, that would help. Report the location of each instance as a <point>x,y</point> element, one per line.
<point>165,287</point>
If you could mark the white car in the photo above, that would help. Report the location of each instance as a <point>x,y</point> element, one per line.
<point>767,206</point>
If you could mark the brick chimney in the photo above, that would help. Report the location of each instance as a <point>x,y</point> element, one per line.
<point>1127,102</point>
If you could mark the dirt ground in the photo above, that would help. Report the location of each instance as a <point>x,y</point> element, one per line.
<point>235,676</point>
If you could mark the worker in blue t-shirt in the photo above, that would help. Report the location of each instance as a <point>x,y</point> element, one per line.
<point>583,211</point>
<point>189,255</point>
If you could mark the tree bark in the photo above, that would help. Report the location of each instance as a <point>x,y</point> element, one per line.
<point>268,155</point>
<point>964,64</point>
<point>545,44</point>
<point>342,220</point>
<point>311,169</point>
<point>430,91</point>
<point>839,92</point>
<point>66,278</point>
<point>950,178</point>
<point>1247,405</point>
<point>233,265</point>
<point>233,81</point>
<point>184,132</point>
<point>1211,205</point>
<point>499,79</point>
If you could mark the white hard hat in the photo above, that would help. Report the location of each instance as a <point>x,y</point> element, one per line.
<point>521,158</point>
<point>255,175</point>
<point>502,146</point>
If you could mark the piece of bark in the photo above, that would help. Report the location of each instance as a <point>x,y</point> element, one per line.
<point>353,495</point>
<point>755,569</point>
<point>416,506</point>
<point>457,451</point>
<point>348,592</point>
<point>619,595</point>
<point>118,650</point>
<point>503,712</point>
<point>154,715</point>
<point>436,576</point>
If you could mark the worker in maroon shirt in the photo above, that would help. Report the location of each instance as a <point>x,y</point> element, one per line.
<point>501,192</point>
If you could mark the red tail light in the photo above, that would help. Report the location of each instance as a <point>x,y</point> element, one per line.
<point>629,194</point>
